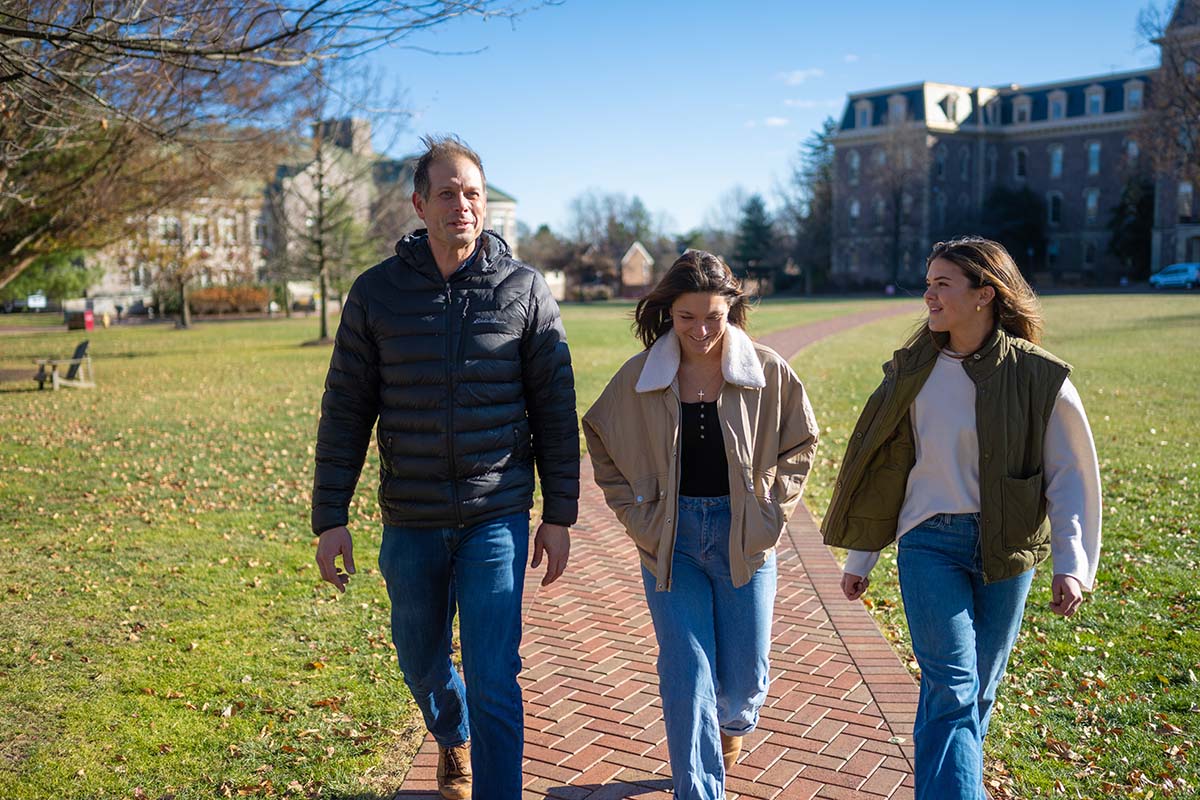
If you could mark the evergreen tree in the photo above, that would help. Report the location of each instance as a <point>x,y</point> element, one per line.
<point>754,251</point>
<point>1132,226</point>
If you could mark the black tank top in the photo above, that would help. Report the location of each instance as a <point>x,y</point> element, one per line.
<point>704,468</point>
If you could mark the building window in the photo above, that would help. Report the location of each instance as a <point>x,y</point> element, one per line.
<point>1089,254</point>
<point>952,107</point>
<point>964,164</point>
<point>1057,104</point>
<point>939,207</point>
<point>1093,157</point>
<point>863,113</point>
<point>1095,101</point>
<point>897,109</point>
<point>1184,202</point>
<point>881,158</point>
<point>1022,109</point>
<point>853,164</point>
<point>1190,68</point>
<point>227,231</point>
<point>200,232</point>
<point>855,213</point>
<point>992,156</point>
<point>939,158</point>
<point>1054,208</point>
<point>1134,93</point>
<point>1092,203</point>
<point>170,231</point>
<point>1056,160</point>
<point>1052,255</point>
<point>880,211</point>
<point>906,202</point>
<point>1020,166</point>
<point>1132,152</point>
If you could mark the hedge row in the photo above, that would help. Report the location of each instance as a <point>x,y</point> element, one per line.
<point>226,299</point>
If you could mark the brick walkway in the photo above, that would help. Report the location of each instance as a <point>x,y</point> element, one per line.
<point>838,719</point>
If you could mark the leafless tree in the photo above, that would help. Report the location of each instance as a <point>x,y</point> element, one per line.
<point>98,99</point>
<point>898,168</point>
<point>1170,130</point>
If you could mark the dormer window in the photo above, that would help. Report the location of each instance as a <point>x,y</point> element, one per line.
<point>950,107</point>
<point>1095,101</point>
<point>1135,96</point>
<point>1057,104</point>
<point>862,114</point>
<point>897,109</point>
<point>1022,109</point>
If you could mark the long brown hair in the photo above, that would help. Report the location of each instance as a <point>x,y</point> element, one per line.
<point>694,271</point>
<point>987,263</point>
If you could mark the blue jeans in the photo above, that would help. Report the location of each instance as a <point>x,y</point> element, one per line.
<point>713,645</point>
<point>479,571</point>
<point>962,633</point>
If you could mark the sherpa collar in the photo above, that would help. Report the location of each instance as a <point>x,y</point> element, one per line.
<point>739,362</point>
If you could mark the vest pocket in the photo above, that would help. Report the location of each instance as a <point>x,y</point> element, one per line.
<point>1020,512</point>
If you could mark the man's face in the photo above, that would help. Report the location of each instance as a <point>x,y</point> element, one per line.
<point>456,208</point>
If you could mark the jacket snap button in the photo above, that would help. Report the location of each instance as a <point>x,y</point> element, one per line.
<point>639,499</point>
<point>858,435</point>
<point>662,494</point>
<point>668,520</point>
<point>976,356</point>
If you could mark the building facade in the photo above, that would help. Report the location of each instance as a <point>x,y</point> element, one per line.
<point>921,163</point>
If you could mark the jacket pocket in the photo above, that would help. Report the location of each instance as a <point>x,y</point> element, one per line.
<point>522,447</point>
<point>643,517</point>
<point>763,524</point>
<point>1021,512</point>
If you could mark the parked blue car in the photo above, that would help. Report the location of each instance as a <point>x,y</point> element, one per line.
<point>1186,275</point>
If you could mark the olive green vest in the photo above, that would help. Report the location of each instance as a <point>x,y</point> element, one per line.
<point>1016,384</point>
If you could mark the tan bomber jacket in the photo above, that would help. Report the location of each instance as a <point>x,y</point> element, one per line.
<point>770,434</point>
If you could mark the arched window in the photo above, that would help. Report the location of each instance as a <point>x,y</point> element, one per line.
<point>1020,163</point>
<point>855,213</point>
<point>1093,156</point>
<point>1056,160</point>
<point>853,165</point>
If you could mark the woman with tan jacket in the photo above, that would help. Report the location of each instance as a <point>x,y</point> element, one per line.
<point>702,444</point>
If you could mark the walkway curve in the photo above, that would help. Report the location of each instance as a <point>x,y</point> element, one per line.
<point>838,719</point>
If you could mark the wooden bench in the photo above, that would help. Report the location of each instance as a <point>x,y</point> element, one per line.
<point>78,374</point>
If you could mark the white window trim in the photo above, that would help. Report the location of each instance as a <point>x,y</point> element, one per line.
<point>1057,96</point>
<point>1020,102</point>
<point>859,108</point>
<point>897,109</point>
<point>1095,90</point>
<point>1087,195</point>
<point>1130,85</point>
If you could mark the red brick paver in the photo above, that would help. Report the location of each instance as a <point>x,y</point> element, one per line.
<point>837,722</point>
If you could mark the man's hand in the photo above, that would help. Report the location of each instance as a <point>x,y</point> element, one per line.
<point>555,541</point>
<point>1066,595</point>
<point>853,586</point>
<point>335,542</point>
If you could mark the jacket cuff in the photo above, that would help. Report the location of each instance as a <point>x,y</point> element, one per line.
<point>563,512</point>
<point>324,519</point>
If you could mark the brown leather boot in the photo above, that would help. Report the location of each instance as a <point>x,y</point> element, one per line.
<point>454,772</point>
<point>731,748</point>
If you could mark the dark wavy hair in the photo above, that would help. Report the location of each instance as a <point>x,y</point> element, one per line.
<point>442,148</point>
<point>694,271</point>
<point>987,263</point>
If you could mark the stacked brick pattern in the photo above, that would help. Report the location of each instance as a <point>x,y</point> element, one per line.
<point>837,723</point>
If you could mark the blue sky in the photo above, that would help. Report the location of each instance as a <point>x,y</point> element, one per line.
<point>679,102</point>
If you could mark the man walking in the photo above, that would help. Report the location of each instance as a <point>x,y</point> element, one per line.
<point>454,351</point>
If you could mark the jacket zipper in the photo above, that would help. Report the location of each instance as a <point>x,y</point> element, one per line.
<point>450,366</point>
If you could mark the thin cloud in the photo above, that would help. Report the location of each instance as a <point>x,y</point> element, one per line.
<point>750,124</point>
<point>850,58</point>
<point>799,76</point>
<point>776,122</point>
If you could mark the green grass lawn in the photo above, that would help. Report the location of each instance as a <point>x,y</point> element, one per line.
<point>48,319</point>
<point>166,630</point>
<point>1106,704</point>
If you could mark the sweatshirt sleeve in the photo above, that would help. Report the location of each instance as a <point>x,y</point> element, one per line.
<point>860,562</point>
<point>1072,489</point>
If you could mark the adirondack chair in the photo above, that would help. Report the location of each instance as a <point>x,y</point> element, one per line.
<point>78,374</point>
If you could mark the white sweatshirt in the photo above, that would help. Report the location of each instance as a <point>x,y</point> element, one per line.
<point>945,479</point>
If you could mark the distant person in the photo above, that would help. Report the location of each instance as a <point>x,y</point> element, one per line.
<point>454,351</point>
<point>702,444</point>
<point>975,455</point>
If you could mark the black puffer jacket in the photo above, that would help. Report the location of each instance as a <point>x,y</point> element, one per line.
<point>470,380</point>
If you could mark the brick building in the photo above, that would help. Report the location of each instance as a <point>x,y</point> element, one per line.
<point>916,164</point>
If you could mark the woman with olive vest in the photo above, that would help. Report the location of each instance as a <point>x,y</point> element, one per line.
<point>975,455</point>
<point>702,444</point>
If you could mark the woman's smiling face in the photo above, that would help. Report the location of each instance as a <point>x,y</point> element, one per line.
<point>699,320</point>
